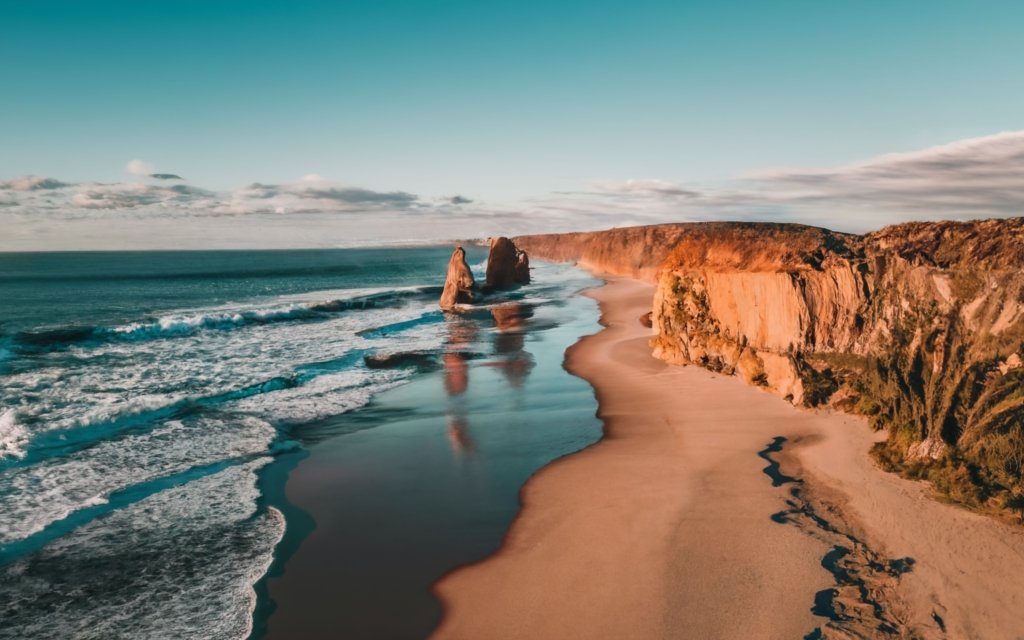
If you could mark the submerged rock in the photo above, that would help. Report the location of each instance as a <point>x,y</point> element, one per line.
<point>459,283</point>
<point>400,359</point>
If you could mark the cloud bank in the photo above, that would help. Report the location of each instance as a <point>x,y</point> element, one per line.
<point>976,177</point>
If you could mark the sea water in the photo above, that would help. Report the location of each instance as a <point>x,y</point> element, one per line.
<point>143,399</point>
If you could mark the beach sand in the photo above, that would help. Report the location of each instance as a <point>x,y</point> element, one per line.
<point>681,522</point>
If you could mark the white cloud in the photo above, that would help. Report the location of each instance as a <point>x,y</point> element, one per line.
<point>313,193</point>
<point>133,195</point>
<point>139,168</point>
<point>972,178</point>
<point>648,187</point>
<point>978,177</point>
<point>30,183</point>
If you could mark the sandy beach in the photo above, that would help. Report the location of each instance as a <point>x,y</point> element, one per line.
<point>711,509</point>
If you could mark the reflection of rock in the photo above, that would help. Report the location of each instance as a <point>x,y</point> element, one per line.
<point>508,343</point>
<point>459,436</point>
<point>462,332</point>
<point>511,322</point>
<point>516,367</point>
<point>510,340</point>
<point>456,373</point>
<point>507,266</point>
<point>416,359</point>
<point>511,316</point>
<point>459,283</point>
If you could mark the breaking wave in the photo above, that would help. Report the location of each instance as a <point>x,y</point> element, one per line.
<point>225,319</point>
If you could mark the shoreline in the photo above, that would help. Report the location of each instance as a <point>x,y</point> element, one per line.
<point>671,525</point>
<point>426,476</point>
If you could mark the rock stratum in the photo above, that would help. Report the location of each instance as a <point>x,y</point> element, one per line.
<point>919,327</point>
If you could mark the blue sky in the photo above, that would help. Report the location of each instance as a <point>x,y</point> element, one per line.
<point>516,106</point>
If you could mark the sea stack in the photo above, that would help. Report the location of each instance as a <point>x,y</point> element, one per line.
<point>522,269</point>
<point>459,284</point>
<point>507,266</point>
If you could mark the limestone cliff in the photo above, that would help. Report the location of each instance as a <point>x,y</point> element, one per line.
<point>918,326</point>
<point>636,252</point>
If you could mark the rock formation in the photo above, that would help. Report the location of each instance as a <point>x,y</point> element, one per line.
<point>521,272</point>
<point>507,266</point>
<point>918,326</point>
<point>459,283</point>
<point>423,361</point>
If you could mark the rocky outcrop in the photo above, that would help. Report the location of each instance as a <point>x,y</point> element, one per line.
<point>507,266</point>
<point>919,326</point>
<point>521,272</point>
<point>459,284</point>
<point>421,360</point>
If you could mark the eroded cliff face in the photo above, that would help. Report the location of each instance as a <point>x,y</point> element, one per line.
<point>753,299</point>
<point>918,326</point>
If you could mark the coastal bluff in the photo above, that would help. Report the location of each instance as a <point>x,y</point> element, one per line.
<point>919,327</point>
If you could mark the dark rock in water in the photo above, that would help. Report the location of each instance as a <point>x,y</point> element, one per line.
<point>507,266</point>
<point>459,283</point>
<point>522,269</point>
<point>418,359</point>
<point>646,320</point>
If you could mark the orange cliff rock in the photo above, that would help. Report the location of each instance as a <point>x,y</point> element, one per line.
<point>507,266</point>
<point>918,326</point>
<point>459,283</point>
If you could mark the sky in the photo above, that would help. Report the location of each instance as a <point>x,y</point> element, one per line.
<point>213,123</point>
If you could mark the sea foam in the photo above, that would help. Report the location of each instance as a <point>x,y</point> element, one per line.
<point>179,564</point>
<point>13,435</point>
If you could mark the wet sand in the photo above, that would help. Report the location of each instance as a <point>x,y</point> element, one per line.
<point>711,509</point>
<point>427,476</point>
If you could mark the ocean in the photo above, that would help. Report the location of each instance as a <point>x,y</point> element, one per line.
<point>154,404</point>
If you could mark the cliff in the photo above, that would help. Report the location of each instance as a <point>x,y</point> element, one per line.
<point>919,326</point>
<point>636,252</point>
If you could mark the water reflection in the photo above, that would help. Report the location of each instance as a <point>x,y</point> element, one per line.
<point>459,435</point>
<point>510,342</point>
<point>456,373</point>
<point>462,335</point>
<point>510,356</point>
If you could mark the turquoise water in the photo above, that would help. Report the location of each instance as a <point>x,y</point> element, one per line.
<point>152,406</point>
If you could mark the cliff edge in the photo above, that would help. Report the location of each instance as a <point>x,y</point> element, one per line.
<point>919,327</point>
